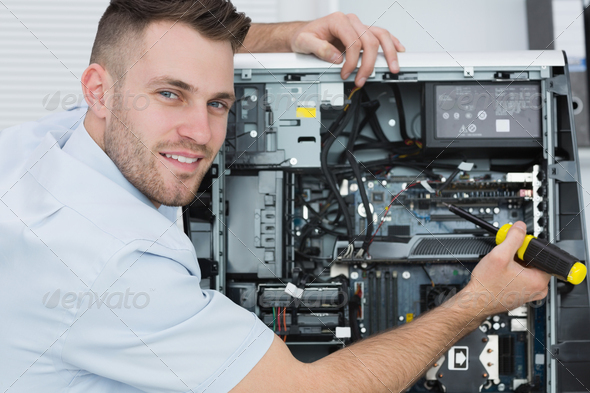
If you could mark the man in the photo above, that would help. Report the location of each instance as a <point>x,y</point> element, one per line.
<point>100,289</point>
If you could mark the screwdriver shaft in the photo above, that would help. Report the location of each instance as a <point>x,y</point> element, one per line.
<point>471,218</point>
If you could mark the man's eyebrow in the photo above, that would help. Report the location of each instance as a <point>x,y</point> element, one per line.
<point>187,87</point>
<point>226,96</point>
<point>172,82</point>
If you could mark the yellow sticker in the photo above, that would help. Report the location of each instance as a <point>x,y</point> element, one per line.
<point>305,112</point>
<point>409,318</point>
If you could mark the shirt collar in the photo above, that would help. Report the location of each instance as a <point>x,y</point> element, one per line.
<point>82,147</point>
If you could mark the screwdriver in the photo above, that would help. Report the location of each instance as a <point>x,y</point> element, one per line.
<point>535,252</point>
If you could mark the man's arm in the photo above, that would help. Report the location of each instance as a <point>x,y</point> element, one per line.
<point>328,38</point>
<point>391,361</point>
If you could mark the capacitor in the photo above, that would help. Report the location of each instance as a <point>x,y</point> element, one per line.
<point>496,326</point>
<point>496,210</point>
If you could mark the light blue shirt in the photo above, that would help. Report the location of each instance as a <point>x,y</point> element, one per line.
<point>99,290</point>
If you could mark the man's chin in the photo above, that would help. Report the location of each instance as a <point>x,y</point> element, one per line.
<point>175,199</point>
<point>176,195</point>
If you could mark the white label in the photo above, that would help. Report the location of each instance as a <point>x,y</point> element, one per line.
<point>342,332</point>
<point>466,166</point>
<point>502,125</point>
<point>459,358</point>
<point>292,290</point>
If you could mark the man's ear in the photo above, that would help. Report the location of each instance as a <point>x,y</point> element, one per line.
<point>95,86</point>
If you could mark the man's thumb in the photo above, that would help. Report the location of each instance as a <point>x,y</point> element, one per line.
<point>514,239</point>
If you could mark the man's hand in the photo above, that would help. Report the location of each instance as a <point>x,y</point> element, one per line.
<point>329,37</point>
<point>500,283</point>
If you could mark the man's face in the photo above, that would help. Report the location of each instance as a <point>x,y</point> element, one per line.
<point>169,118</point>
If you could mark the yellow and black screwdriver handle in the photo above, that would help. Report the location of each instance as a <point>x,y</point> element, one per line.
<point>547,257</point>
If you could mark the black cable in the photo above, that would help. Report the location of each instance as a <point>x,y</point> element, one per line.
<point>371,108</point>
<point>364,137</point>
<point>420,167</point>
<point>370,118</point>
<point>304,255</point>
<point>330,231</point>
<point>400,111</point>
<point>364,198</point>
<point>334,131</point>
<point>393,147</point>
<point>357,173</point>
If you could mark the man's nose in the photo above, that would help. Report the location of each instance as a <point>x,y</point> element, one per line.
<point>196,124</point>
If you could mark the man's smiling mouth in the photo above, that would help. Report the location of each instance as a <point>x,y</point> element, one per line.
<point>187,160</point>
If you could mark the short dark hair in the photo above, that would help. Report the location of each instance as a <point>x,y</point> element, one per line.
<point>122,26</point>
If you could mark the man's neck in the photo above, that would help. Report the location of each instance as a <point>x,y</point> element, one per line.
<point>95,128</point>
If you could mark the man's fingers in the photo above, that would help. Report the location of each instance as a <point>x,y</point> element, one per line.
<point>310,43</point>
<point>341,28</point>
<point>398,45</point>
<point>389,47</point>
<point>370,45</point>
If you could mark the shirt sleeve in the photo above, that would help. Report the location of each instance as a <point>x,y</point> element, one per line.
<point>147,323</point>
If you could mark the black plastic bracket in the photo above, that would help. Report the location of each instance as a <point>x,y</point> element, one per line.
<point>313,78</point>
<point>563,171</point>
<point>215,171</point>
<point>389,76</point>
<point>571,351</point>
<point>209,268</point>
<point>557,85</point>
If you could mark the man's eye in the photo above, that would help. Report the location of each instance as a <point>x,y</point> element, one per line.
<point>217,104</point>
<point>169,95</point>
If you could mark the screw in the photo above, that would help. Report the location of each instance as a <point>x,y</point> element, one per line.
<point>490,364</point>
<point>490,350</point>
<point>485,375</point>
<point>485,339</point>
<point>440,375</point>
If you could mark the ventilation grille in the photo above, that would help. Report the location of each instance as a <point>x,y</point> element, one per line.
<point>456,246</point>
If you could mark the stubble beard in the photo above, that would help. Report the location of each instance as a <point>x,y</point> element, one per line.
<point>123,144</point>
